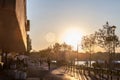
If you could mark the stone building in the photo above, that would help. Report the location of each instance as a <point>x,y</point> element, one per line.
<point>13,26</point>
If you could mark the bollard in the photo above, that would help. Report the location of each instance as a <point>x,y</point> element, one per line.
<point>107,74</point>
<point>88,71</point>
<point>111,74</point>
<point>72,71</point>
<point>118,75</point>
<point>84,71</point>
<point>118,78</point>
<point>102,73</point>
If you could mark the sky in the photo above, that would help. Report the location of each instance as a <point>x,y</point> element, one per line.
<point>53,20</point>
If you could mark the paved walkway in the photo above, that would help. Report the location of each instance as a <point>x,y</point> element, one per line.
<point>36,72</point>
<point>42,73</point>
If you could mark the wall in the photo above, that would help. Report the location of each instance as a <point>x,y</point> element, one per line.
<point>22,18</point>
<point>13,35</point>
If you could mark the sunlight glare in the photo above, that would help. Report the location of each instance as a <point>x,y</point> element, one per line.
<point>72,37</point>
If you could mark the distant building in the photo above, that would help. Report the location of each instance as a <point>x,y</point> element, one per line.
<point>13,26</point>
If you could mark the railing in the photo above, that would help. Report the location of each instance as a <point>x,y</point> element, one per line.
<point>96,73</point>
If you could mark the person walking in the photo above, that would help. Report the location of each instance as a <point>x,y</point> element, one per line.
<point>49,62</point>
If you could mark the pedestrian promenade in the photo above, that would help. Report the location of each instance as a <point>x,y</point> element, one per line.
<point>37,72</point>
<point>42,73</point>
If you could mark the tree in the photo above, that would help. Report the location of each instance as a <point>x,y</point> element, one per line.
<point>88,43</point>
<point>56,50</point>
<point>107,39</point>
<point>45,53</point>
<point>66,47</point>
<point>61,52</point>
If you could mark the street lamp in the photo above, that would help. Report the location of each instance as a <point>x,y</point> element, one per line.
<point>78,45</point>
<point>111,39</point>
<point>77,53</point>
<point>114,39</point>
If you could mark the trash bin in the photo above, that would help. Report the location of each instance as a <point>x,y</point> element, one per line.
<point>23,75</point>
<point>17,75</point>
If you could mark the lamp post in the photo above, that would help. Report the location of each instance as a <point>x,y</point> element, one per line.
<point>114,38</point>
<point>111,39</point>
<point>77,53</point>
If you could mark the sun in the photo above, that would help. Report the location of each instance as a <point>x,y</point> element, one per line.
<point>72,37</point>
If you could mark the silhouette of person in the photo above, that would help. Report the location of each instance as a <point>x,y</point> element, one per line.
<point>48,61</point>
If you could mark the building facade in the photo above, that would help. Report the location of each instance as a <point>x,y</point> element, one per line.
<point>13,26</point>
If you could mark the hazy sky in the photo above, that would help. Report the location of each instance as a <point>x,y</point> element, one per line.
<point>50,19</point>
